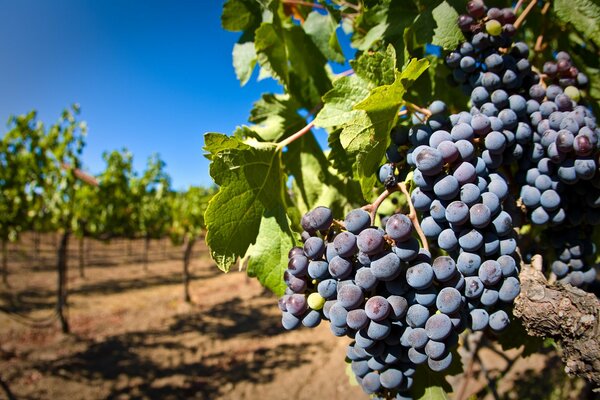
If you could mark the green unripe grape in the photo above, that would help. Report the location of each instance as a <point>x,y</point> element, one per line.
<point>573,93</point>
<point>316,301</point>
<point>493,27</point>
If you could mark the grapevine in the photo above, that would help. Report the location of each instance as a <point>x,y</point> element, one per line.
<point>481,183</point>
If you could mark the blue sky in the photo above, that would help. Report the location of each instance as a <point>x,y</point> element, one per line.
<point>151,75</point>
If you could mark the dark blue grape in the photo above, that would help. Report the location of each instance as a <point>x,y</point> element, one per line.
<point>385,266</point>
<point>449,300</point>
<point>357,220</point>
<point>438,326</point>
<point>345,244</point>
<point>399,227</point>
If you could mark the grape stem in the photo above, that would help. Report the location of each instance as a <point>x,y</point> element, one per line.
<point>524,14</point>
<point>416,108</point>
<point>413,216</point>
<point>372,208</point>
<point>295,136</point>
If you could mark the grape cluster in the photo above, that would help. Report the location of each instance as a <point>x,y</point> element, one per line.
<point>562,72</point>
<point>401,306</point>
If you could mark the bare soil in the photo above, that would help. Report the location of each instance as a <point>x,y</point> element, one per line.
<point>134,338</point>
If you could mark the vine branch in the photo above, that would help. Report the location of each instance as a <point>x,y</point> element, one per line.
<point>290,139</point>
<point>565,313</point>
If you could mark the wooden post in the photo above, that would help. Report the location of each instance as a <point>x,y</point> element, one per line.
<point>82,257</point>
<point>187,255</point>
<point>61,295</point>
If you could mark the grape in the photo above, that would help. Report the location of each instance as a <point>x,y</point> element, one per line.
<point>448,301</point>
<point>444,268</point>
<point>398,305</point>
<point>510,289</point>
<point>312,319</point>
<point>314,248</point>
<point>447,187</point>
<point>479,319</point>
<point>370,241</point>
<point>377,308</point>
<point>489,297</point>
<point>416,356</point>
<point>371,383</point>
<point>507,265</point>
<point>289,321</point>
<point>490,272</point>
<point>469,194</point>
<point>350,296</point>
<point>495,142</point>
<point>298,264</point>
<point>429,161</point>
<point>296,304</point>
<point>379,330</point>
<point>357,319</point>
<point>419,276</point>
<point>502,223</point>
<point>364,279</point>
<point>438,326</point>
<point>357,220</point>
<point>385,266</point>
<point>421,199</point>
<point>320,218</point>
<point>327,289</point>
<point>468,263</point>
<point>340,267</point>
<point>297,285</point>
<point>318,269</point>
<point>417,315</point>
<point>345,244</point>
<point>447,240</point>
<point>464,173</point>
<point>530,196</point>
<point>473,287</point>
<point>470,240</point>
<point>499,321</point>
<point>476,8</point>
<point>430,227</point>
<point>426,297</point>
<point>399,227</point>
<point>417,338</point>
<point>450,152</point>
<point>480,124</point>
<point>391,378</point>
<point>479,215</point>
<point>462,131</point>
<point>338,315</point>
<point>407,250</point>
<point>456,213</point>
<point>441,364</point>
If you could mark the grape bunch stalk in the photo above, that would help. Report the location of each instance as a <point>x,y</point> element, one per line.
<point>524,154</point>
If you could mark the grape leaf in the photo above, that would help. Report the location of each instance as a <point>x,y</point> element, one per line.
<point>244,61</point>
<point>276,116</point>
<point>281,51</point>
<point>321,29</point>
<point>271,52</point>
<point>269,255</point>
<point>338,102</point>
<point>240,15</point>
<point>378,67</point>
<point>251,184</point>
<point>447,34</point>
<point>584,15</point>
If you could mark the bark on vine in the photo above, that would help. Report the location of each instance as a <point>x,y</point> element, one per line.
<point>567,314</point>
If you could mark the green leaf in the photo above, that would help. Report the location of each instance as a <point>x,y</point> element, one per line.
<point>374,35</point>
<point>283,51</point>
<point>322,30</point>
<point>269,255</point>
<point>244,61</point>
<point>240,15</point>
<point>271,52</point>
<point>339,101</point>
<point>584,15</point>
<point>276,116</point>
<point>447,34</point>
<point>251,185</point>
<point>378,67</point>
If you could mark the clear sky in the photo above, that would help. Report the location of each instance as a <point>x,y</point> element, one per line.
<point>150,75</point>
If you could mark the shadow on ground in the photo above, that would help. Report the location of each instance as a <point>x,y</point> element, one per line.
<point>172,363</point>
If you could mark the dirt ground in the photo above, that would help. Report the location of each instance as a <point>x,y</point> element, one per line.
<point>133,338</point>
